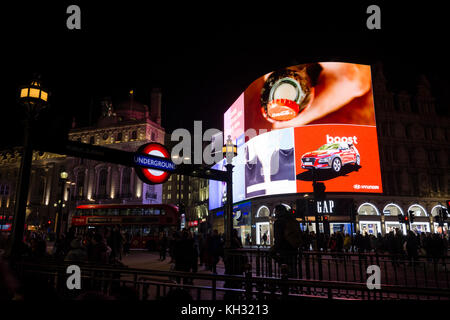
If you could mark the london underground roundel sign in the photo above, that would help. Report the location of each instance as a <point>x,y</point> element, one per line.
<point>147,166</point>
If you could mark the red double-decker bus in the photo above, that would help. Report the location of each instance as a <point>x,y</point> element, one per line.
<point>143,222</point>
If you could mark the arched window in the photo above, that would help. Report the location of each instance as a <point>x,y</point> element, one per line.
<point>119,136</point>
<point>368,209</point>
<point>435,210</point>
<point>41,189</point>
<point>419,211</point>
<point>134,135</point>
<point>102,178</point>
<point>80,184</point>
<point>126,179</point>
<point>392,210</point>
<point>288,207</point>
<point>263,211</point>
<point>92,140</point>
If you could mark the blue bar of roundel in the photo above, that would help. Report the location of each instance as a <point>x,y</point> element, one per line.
<point>154,163</point>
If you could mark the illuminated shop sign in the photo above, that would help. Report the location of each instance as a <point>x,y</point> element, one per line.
<point>325,207</point>
<point>337,207</point>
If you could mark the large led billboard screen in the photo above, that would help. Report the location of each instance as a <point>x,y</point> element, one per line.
<point>317,117</point>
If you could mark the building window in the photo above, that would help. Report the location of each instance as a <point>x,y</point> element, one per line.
<point>419,211</point>
<point>41,188</point>
<point>368,209</point>
<point>436,209</point>
<point>169,196</point>
<point>80,184</point>
<point>92,140</point>
<point>392,210</point>
<point>102,178</point>
<point>263,211</point>
<point>126,179</point>
<point>134,135</point>
<point>153,136</point>
<point>435,183</point>
<point>119,136</point>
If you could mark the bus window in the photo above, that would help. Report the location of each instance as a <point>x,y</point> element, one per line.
<point>124,212</point>
<point>136,212</point>
<point>146,230</point>
<point>157,211</point>
<point>101,212</point>
<point>114,212</point>
<point>148,211</point>
<point>163,212</point>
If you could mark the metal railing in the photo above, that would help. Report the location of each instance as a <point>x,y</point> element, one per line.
<point>423,272</point>
<point>155,284</point>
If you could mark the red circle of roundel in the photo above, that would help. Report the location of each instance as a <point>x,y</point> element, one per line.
<point>146,149</point>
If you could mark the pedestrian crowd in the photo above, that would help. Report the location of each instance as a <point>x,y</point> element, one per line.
<point>103,246</point>
<point>188,251</point>
<point>430,245</point>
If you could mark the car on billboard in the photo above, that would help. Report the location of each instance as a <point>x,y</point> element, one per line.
<point>331,156</point>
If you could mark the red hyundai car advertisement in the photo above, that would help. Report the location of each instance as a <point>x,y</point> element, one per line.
<point>327,114</point>
<point>343,157</point>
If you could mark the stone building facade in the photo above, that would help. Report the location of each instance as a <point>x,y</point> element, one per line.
<point>123,125</point>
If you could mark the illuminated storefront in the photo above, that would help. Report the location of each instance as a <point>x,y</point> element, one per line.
<point>282,134</point>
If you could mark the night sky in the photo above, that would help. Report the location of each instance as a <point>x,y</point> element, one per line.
<point>202,57</point>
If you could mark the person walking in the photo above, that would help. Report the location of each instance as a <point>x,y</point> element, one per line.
<point>215,250</point>
<point>183,254</point>
<point>162,247</point>
<point>77,252</point>
<point>264,238</point>
<point>412,247</point>
<point>287,239</point>
<point>234,265</point>
<point>248,240</point>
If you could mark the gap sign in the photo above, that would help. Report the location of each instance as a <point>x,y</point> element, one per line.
<point>152,163</point>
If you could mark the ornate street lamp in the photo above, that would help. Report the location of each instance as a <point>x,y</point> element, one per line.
<point>63,175</point>
<point>34,98</point>
<point>229,151</point>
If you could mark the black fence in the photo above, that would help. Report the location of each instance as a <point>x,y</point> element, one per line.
<point>422,272</point>
<point>155,285</point>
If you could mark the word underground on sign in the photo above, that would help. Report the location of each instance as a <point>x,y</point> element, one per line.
<point>149,162</point>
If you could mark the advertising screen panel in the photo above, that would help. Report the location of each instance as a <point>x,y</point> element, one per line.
<point>326,115</point>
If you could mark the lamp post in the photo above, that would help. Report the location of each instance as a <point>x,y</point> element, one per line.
<point>229,151</point>
<point>63,175</point>
<point>34,98</point>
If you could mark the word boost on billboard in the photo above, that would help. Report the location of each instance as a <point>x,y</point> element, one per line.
<point>311,116</point>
